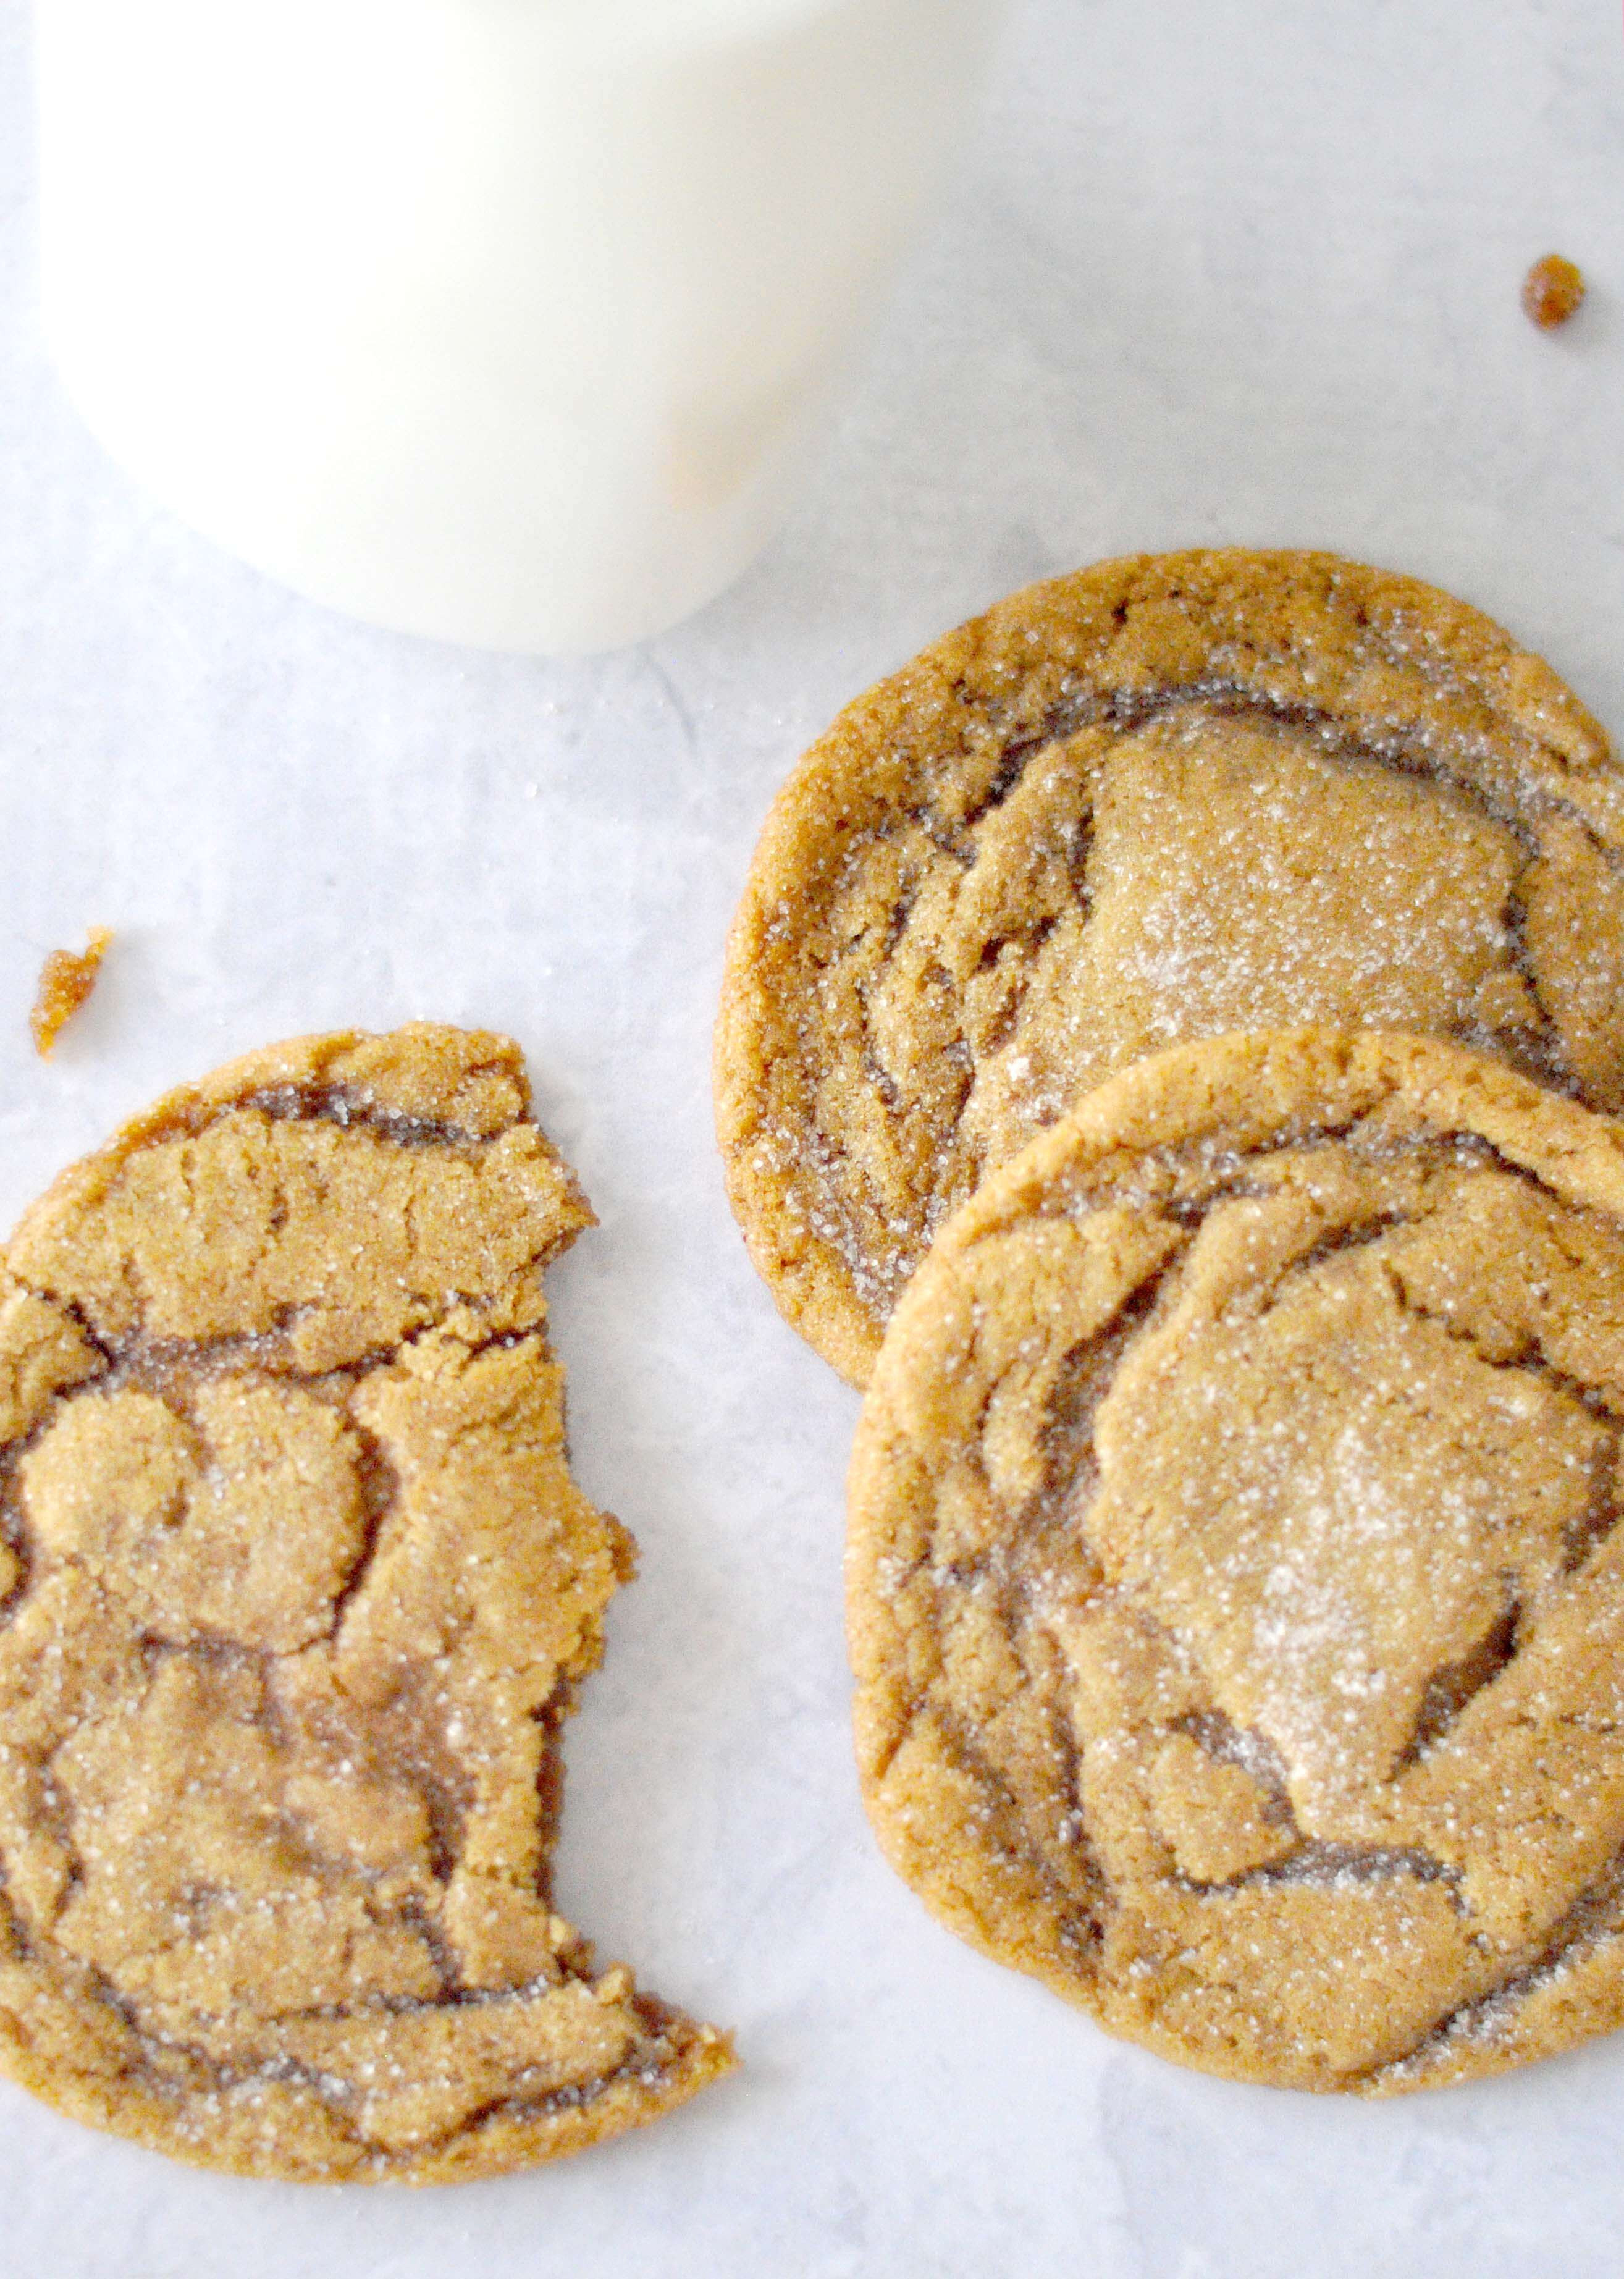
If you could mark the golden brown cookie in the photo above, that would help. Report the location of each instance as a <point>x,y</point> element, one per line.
<point>1169,797</point>
<point>1236,1585</point>
<point>296,1591</point>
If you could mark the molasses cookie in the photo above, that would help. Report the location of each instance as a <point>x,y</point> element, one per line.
<point>1236,1590</point>
<point>296,1591</point>
<point>1169,797</point>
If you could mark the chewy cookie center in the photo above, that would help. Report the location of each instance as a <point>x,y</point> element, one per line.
<point>1352,1499</point>
<point>1246,876</point>
<point>1215,869</point>
<point>1342,1511</point>
<point>222,1823</point>
<point>286,1765</point>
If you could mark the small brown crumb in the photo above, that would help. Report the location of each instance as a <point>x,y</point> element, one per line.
<point>1551,291</point>
<point>67,979</point>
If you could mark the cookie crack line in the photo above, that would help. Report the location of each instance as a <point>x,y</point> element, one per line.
<point>667,2039</point>
<point>123,1356</point>
<point>354,1109</point>
<point>380,1494</point>
<point>1323,1864</point>
<point>1583,1921</point>
<point>1529,1361</point>
<point>1226,699</point>
<point>1544,1050</point>
<point>1053,1500</point>
<point>1086,1923</point>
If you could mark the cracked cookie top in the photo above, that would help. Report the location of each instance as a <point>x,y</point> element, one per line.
<point>1169,797</point>
<point>1236,1590</point>
<point>294,1591</point>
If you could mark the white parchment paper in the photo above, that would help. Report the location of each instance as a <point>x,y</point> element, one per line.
<point>1214,270</point>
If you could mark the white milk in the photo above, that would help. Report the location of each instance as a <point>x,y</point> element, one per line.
<point>501,320</point>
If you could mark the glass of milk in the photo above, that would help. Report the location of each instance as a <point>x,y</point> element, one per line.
<point>504,321</point>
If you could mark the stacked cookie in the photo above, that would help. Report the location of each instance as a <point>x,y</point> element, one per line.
<point>1161,1058</point>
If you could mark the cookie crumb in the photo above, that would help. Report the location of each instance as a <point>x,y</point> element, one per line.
<point>67,979</point>
<point>1552,292</point>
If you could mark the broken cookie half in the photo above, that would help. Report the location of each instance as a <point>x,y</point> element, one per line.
<point>296,1589</point>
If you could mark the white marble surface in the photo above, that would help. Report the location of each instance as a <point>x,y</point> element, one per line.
<point>1215,269</point>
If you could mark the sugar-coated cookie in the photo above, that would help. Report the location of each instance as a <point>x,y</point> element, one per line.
<point>1236,1579</point>
<point>296,1589</point>
<point>1171,796</point>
